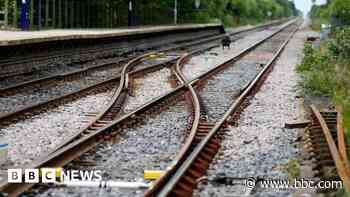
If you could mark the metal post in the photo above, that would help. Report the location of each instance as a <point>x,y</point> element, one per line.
<point>175,12</point>
<point>47,11</point>
<point>24,15</point>
<point>39,14</point>
<point>88,14</point>
<point>77,14</point>
<point>72,14</point>
<point>60,13</point>
<point>130,13</point>
<point>82,14</point>
<point>66,13</point>
<point>6,12</point>
<point>111,17</point>
<point>31,17</point>
<point>106,15</point>
<point>53,24</point>
<point>15,13</point>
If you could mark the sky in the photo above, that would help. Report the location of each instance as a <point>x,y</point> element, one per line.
<point>305,5</point>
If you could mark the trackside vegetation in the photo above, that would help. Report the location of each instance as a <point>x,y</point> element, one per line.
<point>326,70</point>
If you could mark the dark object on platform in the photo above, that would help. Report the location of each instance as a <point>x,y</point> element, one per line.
<point>312,38</point>
<point>295,125</point>
<point>226,42</point>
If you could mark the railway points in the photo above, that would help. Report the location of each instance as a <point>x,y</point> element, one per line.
<point>164,111</point>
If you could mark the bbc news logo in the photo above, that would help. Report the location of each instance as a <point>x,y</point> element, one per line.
<point>52,175</point>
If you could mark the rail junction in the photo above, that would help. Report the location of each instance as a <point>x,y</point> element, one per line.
<point>180,109</point>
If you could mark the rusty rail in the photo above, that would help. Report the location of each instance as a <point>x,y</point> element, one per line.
<point>89,69</point>
<point>76,148</point>
<point>340,163</point>
<point>99,121</point>
<point>181,179</point>
<point>341,137</point>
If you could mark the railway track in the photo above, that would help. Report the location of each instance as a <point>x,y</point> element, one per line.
<point>114,108</point>
<point>76,71</point>
<point>76,146</point>
<point>78,55</point>
<point>326,143</point>
<point>6,117</point>
<point>204,126</point>
<point>111,51</point>
<point>181,78</point>
<point>23,107</point>
<point>200,149</point>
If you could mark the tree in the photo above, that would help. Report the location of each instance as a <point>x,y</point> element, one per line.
<point>340,11</point>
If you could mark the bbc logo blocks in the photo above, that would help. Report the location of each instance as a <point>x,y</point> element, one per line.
<point>45,175</point>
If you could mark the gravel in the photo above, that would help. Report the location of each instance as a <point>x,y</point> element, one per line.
<point>58,65</point>
<point>37,95</point>
<point>148,87</point>
<point>56,69</point>
<point>220,91</point>
<point>30,138</point>
<point>151,146</point>
<point>199,64</point>
<point>40,94</point>
<point>260,146</point>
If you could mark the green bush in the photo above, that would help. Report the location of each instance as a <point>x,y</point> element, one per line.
<point>340,9</point>
<point>317,72</point>
<point>340,45</point>
<point>326,71</point>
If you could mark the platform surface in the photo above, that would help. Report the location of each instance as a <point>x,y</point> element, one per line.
<point>8,38</point>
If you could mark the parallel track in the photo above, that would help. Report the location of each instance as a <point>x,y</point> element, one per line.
<point>81,72</point>
<point>7,117</point>
<point>204,142</point>
<point>75,148</point>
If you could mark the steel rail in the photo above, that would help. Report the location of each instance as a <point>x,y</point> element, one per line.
<point>339,161</point>
<point>203,40</point>
<point>341,137</point>
<point>76,135</point>
<point>7,116</point>
<point>28,59</point>
<point>59,76</point>
<point>81,51</point>
<point>190,138</point>
<point>15,114</point>
<point>168,188</point>
<point>16,87</point>
<point>68,153</point>
<point>123,86</point>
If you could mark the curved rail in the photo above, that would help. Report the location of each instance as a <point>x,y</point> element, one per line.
<point>75,149</point>
<point>87,51</point>
<point>186,147</point>
<point>113,107</point>
<point>15,114</point>
<point>15,87</point>
<point>184,178</point>
<point>339,160</point>
<point>10,115</point>
<point>45,104</point>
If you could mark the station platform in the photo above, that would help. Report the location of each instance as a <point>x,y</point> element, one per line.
<point>11,38</point>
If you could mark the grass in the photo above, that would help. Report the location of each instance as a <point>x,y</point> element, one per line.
<point>317,72</point>
<point>293,169</point>
<point>324,72</point>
